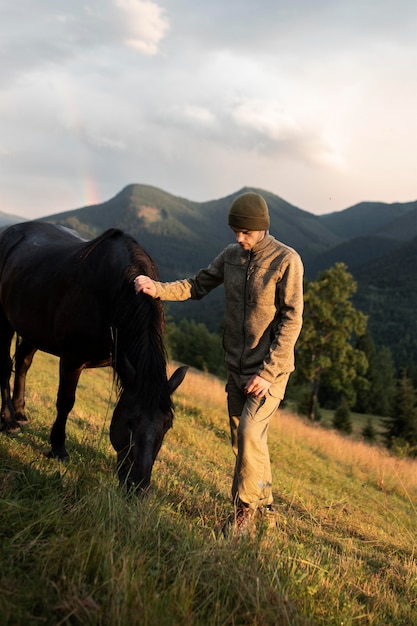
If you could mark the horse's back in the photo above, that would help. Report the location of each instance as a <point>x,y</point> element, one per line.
<point>60,291</point>
<point>37,233</point>
<point>25,242</point>
<point>46,290</point>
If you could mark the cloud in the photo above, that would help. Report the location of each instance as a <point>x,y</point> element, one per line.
<point>145,24</point>
<point>271,129</point>
<point>252,125</point>
<point>203,98</point>
<point>38,33</point>
<point>101,141</point>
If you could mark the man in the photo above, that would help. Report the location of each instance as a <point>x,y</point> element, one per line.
<point>263,282</point>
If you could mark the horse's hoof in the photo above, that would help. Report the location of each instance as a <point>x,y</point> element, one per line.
<point>21,417</point>
<point>61,457</point>
<point>10,428</point>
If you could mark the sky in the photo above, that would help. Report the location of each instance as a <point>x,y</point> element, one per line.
<point>312,100</point>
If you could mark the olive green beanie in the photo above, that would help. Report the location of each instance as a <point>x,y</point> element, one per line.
<point>249,211</point>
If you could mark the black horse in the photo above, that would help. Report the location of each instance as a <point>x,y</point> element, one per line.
<point>76,299</point>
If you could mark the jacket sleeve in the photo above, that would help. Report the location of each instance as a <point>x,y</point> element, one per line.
<point>197,287</point>
<point>280,359</point>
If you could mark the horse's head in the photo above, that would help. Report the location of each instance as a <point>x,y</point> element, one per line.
<point>137,434</point>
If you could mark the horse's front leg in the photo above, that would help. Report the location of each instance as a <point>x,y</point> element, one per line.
<point>8,421</point>
<point>23,360</point>
<point>69,375</point>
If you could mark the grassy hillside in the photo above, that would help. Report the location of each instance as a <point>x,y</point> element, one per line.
<point>77,550</point>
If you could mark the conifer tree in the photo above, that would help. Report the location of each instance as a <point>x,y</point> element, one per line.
<point>376,392</point>
<point>401,426</point>
<point>342,419</point>
<point>325,351</point>
<point>369,432</point>
<point>192,343</point>
<point>382,382</point>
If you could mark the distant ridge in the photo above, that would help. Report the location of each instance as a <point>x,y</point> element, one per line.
<point>366,218</point>
<point>7,220</point>
<point>387,292</point>
<point>176,230</point>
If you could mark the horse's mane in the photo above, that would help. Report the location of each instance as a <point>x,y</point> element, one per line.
<point>91,245</point>
<point>139,323</point>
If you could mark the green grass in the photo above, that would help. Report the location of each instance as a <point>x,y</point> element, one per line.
<point>75,549</point>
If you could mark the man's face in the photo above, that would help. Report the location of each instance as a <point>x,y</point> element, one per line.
<point>248,238</point>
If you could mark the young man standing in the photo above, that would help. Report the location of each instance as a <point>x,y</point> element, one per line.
<point>263,282</point>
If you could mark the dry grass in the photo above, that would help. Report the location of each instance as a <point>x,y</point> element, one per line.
<point>203,388</point>
<point>76,550</point>
<point>369,463</point>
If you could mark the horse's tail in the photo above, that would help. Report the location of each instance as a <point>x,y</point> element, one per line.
<point>18,341</point>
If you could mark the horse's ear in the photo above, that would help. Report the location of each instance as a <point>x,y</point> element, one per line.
<point>177,378</point>
<point>126,371</point>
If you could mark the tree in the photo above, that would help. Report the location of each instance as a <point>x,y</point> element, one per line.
<point>377,394</point>
<point>341,419</point>
<point>401,426</point>
<point>383,382</point>
<point>368,431</point>
<point>325,353</point>
<point>192,343</point>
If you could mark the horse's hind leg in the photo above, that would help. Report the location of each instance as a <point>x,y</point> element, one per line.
<point>23,360</point>
<point>8,421</point>
<point>69,375</point>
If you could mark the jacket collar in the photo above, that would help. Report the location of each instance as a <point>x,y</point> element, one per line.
<point>261,245</point>
<point>258,248</point>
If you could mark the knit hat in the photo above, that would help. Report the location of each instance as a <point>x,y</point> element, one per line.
<point>249,211</point>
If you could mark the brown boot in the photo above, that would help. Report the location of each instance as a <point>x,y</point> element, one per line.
<point>268,516</point>
<point>244,520</point>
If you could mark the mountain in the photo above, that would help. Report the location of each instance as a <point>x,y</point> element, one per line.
<point>387,292</point>
<point>354,253</point>
<point>370,230</point>
<point>184,235</point>
<point>7,220</point>
<point>402,228</point>
<point>374,239</point>
<point>367,218</point>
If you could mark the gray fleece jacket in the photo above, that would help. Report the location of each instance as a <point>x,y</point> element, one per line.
<point>264,304</point>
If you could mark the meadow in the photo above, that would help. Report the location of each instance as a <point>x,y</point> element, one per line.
<point>76,549</point>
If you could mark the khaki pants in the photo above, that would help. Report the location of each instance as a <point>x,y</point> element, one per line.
<point>249,421</point>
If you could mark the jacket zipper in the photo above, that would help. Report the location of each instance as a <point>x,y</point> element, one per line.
<point>244,309</point>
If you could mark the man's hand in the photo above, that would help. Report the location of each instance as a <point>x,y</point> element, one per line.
<point>257,386</point>
<point>145,284</point>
